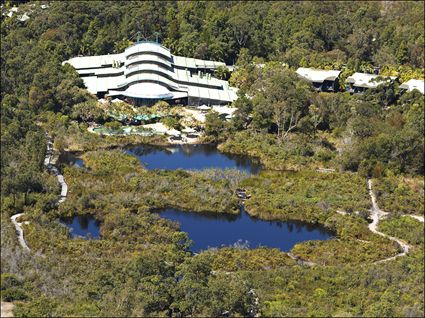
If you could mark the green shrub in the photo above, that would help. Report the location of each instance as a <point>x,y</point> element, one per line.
<point>8,280</point>
<point>13,293</point>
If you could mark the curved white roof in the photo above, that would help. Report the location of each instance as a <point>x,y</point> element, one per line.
<point>148,67</point>
<point>152,77</point>
<point>146,57</point>
<point>412,84</point>
<point>316,75</point>
<point>368,80</point>
<point>147,47</point>
<point>149,90</point>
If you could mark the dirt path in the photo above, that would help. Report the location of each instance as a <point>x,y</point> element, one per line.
<point>49,163</point>
<point>420,218</point>
<point>378,214</point>
<point>7,309</point>
<point>300,261</point>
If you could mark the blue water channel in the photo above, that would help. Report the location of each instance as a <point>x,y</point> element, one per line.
<point>191,157</point>
<point>216,230</point>
<point>82,226</point>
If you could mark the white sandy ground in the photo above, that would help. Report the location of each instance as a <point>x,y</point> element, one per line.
<point>161,128</point>
<point>184,141</point>
<point>7,309</point>
<point>196,114</point>
<point>190,114</point>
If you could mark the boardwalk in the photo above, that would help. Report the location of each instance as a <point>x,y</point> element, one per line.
<point>49,163</point>
<point>19,231</point>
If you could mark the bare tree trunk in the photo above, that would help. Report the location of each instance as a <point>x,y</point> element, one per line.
<point>278,129</point>
<point>240,36</point>
<point>26,197</point>
<point>292,124</point>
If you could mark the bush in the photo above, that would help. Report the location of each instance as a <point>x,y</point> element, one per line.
<point>113,126</point>
<point>8,280</point>
<point>13,293</point>
<point>171,122</point>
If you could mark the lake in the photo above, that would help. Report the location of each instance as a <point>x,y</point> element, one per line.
<point>191,157</point>
<point>85,226</point>
<point>217,230</point>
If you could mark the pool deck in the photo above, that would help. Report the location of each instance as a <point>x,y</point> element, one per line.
<point>157,129</point>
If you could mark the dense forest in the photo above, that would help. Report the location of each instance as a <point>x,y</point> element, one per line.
<point>144,266</point>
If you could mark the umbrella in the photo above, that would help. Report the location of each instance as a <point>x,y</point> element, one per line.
<point>173,132</point>
<point>204,107</point>
<point>188,130</point>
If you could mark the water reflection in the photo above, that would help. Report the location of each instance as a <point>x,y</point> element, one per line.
<point>191,157</point>
<point>227,217</point>
<point>218,229</point>
<point>85,226</point>
<point>71,159</point>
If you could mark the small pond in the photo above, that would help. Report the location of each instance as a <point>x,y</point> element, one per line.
<point>191,157</point>
<point>216,230</point>
<point>71,159</point>
<point>85,226</point>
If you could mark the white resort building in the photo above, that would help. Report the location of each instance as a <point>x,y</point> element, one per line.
<point>322,80</point>
<point>359,82</point>
<point>412,84</point>
<point>147,72</point>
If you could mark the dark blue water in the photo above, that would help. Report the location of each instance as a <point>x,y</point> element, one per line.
<point>71,159</point>
<point>217,230</point>
<point>191,157</point>
<point>85,226</point>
